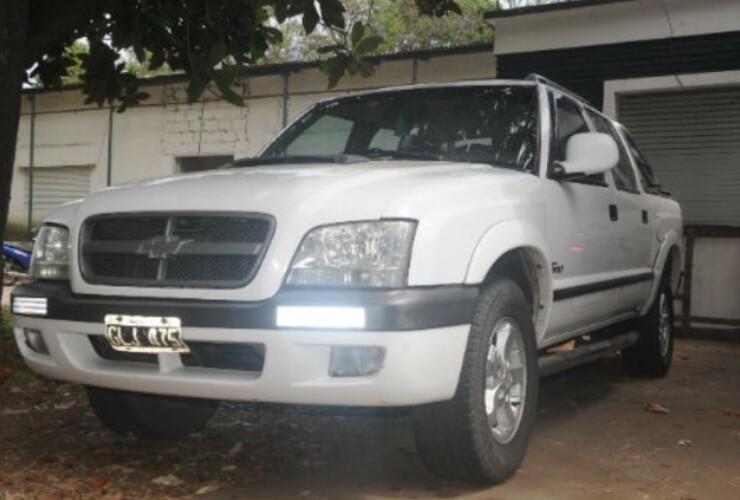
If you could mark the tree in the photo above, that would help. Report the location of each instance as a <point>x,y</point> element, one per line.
<point>399,24</point>
<point>210,41</point>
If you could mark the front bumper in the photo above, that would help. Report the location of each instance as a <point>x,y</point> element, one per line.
<point>423,352</point>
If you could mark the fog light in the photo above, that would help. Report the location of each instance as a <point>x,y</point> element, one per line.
<point>320,317</point>
<point>35,341</point>
<point>29,306</point>
<point>355,361</point>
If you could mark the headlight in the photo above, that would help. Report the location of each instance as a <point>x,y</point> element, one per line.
<point>355,254</point>
<point>50,260</point>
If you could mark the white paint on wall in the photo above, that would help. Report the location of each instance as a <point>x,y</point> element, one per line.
<point>715,288</point>
<point>615,23</point>
<point>614,88</point>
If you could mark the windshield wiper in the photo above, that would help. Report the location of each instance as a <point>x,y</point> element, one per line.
<point>403,155</point>
<point>291,159</point>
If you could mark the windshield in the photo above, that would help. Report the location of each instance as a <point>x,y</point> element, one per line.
<point>492,124</point>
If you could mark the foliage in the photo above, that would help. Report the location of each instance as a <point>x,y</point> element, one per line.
<point>209,41</point>
<point>397,25</point>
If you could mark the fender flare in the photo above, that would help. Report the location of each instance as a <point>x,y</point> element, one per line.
<point>504,237</point>
<point>670,246</point>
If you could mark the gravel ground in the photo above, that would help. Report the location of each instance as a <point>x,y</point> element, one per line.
<point>594,438</point>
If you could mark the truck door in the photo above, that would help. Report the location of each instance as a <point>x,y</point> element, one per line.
<point>634,221</point>
<point>583,237</point>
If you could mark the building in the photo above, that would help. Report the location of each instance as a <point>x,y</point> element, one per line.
<point>66,149</point>
<point>670,71</point>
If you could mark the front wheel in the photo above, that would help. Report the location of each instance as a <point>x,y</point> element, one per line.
<point>150,416</point>
<point>482,434</point>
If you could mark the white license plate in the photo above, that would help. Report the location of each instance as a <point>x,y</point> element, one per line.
<point>152,334</point>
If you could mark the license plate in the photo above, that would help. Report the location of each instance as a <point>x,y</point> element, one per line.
<point>150,334</point>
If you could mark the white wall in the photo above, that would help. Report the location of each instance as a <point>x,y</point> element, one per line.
<point>615,23</point>
<point>147,139</point>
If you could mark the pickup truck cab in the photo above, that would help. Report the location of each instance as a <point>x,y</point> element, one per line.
<point>420,246</point>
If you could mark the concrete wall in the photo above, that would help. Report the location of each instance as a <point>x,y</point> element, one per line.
<point>148,139</point>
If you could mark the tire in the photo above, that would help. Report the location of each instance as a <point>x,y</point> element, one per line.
<point>454,438</point>
<point>652,354</point>
<point>149,416</point>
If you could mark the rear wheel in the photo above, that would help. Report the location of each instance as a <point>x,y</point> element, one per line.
<point>150,416</point>
<point>653,353</point>
<point>482,434</point>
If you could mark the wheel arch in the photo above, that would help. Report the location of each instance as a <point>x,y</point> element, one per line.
<point>515,250</point>
<point>668,262</point>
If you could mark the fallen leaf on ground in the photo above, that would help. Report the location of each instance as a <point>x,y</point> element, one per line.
<point>657,408</point>
<point>10,413</point>
<point>5,373</point>
<point>64,406</point>
<point>235,449</point>
<point>168,480</point>
<point>731,412</point>
<point>97,482</point>
<point>209,488</point>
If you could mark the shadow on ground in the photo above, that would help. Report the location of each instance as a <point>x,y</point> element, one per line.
<point>593,438</point>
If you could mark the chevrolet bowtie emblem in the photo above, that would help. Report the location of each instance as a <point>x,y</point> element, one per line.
<point>162,247</point>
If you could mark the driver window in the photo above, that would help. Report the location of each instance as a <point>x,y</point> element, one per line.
<point>624,176</point>
<point>568,122</point>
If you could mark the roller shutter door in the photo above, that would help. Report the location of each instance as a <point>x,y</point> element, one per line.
<point>53,186</point>
<point>692,140</point>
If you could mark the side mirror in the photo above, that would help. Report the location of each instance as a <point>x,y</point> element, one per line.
<point>587,154</point>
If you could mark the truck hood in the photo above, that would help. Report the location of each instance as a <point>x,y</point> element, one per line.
<point>454,203</point>
<point>319,192</point>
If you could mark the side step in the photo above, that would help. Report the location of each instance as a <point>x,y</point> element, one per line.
<point>550,364</point>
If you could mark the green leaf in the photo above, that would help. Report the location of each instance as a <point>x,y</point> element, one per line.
<point>330,48</point>
<point>332,12</point>
<point>367,68</point>
<point>334,68</point>
<point>224,85</point>
<point>358,31</point>
<point>368,44</point>
<point>157,60</point>
<point>310,19</point>
<point>280,9</point>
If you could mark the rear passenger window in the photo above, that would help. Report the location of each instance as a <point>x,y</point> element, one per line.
<point>624,176</point>
<point>649,182</point>
<point>569,121</point>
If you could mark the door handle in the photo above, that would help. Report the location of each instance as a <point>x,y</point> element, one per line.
<point>613,213</point>
<point>644,217</point>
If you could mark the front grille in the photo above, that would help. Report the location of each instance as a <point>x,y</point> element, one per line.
<point>246,357</point>
<point>176,250</point>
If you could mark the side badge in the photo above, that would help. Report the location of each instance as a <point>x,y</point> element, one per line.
<point>557,268</point>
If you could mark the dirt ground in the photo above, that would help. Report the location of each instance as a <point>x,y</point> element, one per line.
<point>594,439</point>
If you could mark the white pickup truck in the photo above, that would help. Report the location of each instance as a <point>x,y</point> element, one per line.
<point>421,246</point>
